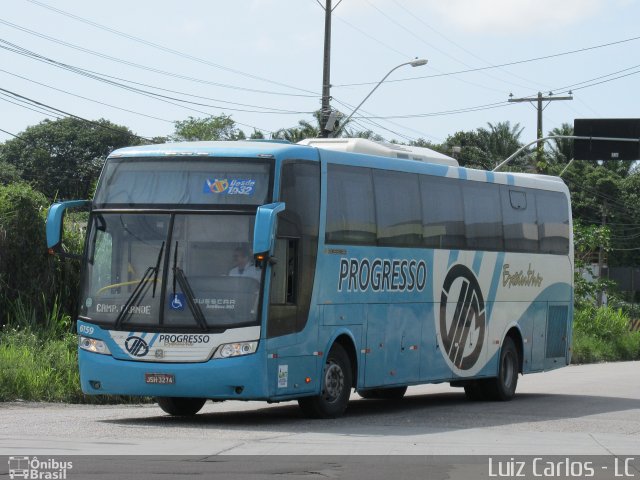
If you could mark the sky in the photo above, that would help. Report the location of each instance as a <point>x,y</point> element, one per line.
<point>260,61</point>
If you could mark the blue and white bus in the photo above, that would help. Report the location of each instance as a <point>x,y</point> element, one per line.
<point>275,271</point>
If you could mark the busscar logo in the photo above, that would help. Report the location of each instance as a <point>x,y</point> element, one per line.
<point>462,317</point>
<point>136,346</point>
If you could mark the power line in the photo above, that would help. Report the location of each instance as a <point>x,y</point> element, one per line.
<point>370,37</point>
<point>87,98</point>
<point>146,68</point>
<point>21,104</point>
<point>490,106</point>
<point>476,108</point>
<point>107,79</point>
<point>97,124</point>
<point>517,62</point>
<point>572,86</point>
<point>14,135</point>
<point>437,32</point>
<point>421,39</point>
<point>163,48</point>
<point>152,95</point>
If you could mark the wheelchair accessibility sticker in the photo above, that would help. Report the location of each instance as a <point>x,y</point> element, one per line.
<point>177,301</point>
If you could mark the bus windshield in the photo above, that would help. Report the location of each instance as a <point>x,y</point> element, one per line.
<point>174,271</point>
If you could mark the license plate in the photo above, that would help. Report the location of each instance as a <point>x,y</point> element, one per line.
<point>160,378</point>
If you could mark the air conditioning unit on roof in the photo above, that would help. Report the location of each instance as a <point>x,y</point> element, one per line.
<point>382,149</point>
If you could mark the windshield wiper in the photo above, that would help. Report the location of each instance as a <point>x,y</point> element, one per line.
<point>137,293</point>
<point>181,278</point>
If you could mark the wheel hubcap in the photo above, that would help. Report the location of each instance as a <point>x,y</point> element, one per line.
<point>333,382</point>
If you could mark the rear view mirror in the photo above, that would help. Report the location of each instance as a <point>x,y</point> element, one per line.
<point>264,231</point>
<point>55,219</point>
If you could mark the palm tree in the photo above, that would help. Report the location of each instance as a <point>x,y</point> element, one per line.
<point>561,150</point>
<point>295,134</point>
<point>500,140</point>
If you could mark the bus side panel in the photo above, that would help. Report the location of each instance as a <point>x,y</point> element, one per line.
<point>291,359</point>
<point>433,368</point>
<point>394,334</point>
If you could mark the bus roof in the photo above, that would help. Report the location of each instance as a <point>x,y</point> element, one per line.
<point>381,149</point>
<point>241,148</point>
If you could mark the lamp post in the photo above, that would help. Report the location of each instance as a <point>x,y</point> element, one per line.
<point>418,62</point>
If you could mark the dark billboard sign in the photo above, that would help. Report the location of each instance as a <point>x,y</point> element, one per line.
<point>607,149</point>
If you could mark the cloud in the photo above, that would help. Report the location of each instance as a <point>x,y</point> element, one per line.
<point>511,16</point>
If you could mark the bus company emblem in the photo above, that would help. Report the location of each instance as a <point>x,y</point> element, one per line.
<point>136,346</point>
<point>462,330</point>
<point>216,185</point>
<point>230,186</point>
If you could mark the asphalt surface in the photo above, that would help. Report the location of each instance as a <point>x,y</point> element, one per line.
<point>578,410</point>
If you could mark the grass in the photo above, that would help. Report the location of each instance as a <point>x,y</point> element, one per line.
<point>603,335</point>
<point>38,368</point>
<point>39,360</point>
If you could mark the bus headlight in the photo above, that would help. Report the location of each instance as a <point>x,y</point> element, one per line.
<point>93,345</point>
<point>235,349</point>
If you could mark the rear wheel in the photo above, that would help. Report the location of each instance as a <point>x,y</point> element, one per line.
<point>503,387</point>
<point>180,406</point>
<point>393,393</point>
<point>336,387</point>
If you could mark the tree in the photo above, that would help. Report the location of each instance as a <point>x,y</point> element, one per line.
<point>8,173</point>
<point>587,240</point>
<point>295,134</point>
<point>63,158</point>
<point>25,270</point>
<point>561,150</point>
<point>221,127</point>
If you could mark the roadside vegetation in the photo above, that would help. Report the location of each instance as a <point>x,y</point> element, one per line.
<point>603,335</point>
<point>62,159</point>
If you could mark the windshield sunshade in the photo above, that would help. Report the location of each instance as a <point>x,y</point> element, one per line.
<point>178,181</point>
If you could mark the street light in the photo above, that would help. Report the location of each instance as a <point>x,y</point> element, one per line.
<point>418,62</point>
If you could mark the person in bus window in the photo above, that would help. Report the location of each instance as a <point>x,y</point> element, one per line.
<point>243,265</point>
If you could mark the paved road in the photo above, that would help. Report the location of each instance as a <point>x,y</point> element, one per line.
<point>593,409</point>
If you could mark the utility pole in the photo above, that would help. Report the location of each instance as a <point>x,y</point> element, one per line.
<point>541,98</point>
<point>325,110</point>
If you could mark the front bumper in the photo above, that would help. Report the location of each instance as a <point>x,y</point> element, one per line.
<point>239,378</point>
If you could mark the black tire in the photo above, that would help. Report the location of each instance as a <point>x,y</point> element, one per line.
<point>181,406</point>
<point>336,387</point>
<point>474,391</point>
<point>503,387</point>
<point>393,393</point>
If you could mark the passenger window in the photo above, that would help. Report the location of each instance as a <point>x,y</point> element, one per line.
<point>483,219</point>
<point>442,213</point>
<point>350,206</point>
<point>520,221</point>
<point>553,222</point>
<point>397,208</point>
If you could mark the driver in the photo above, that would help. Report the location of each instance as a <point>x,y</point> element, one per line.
<point>243,266</point>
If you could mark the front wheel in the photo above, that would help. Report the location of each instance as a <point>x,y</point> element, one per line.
<point>503,387</point>
<point>336,387</point>
<point>180,406</point>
